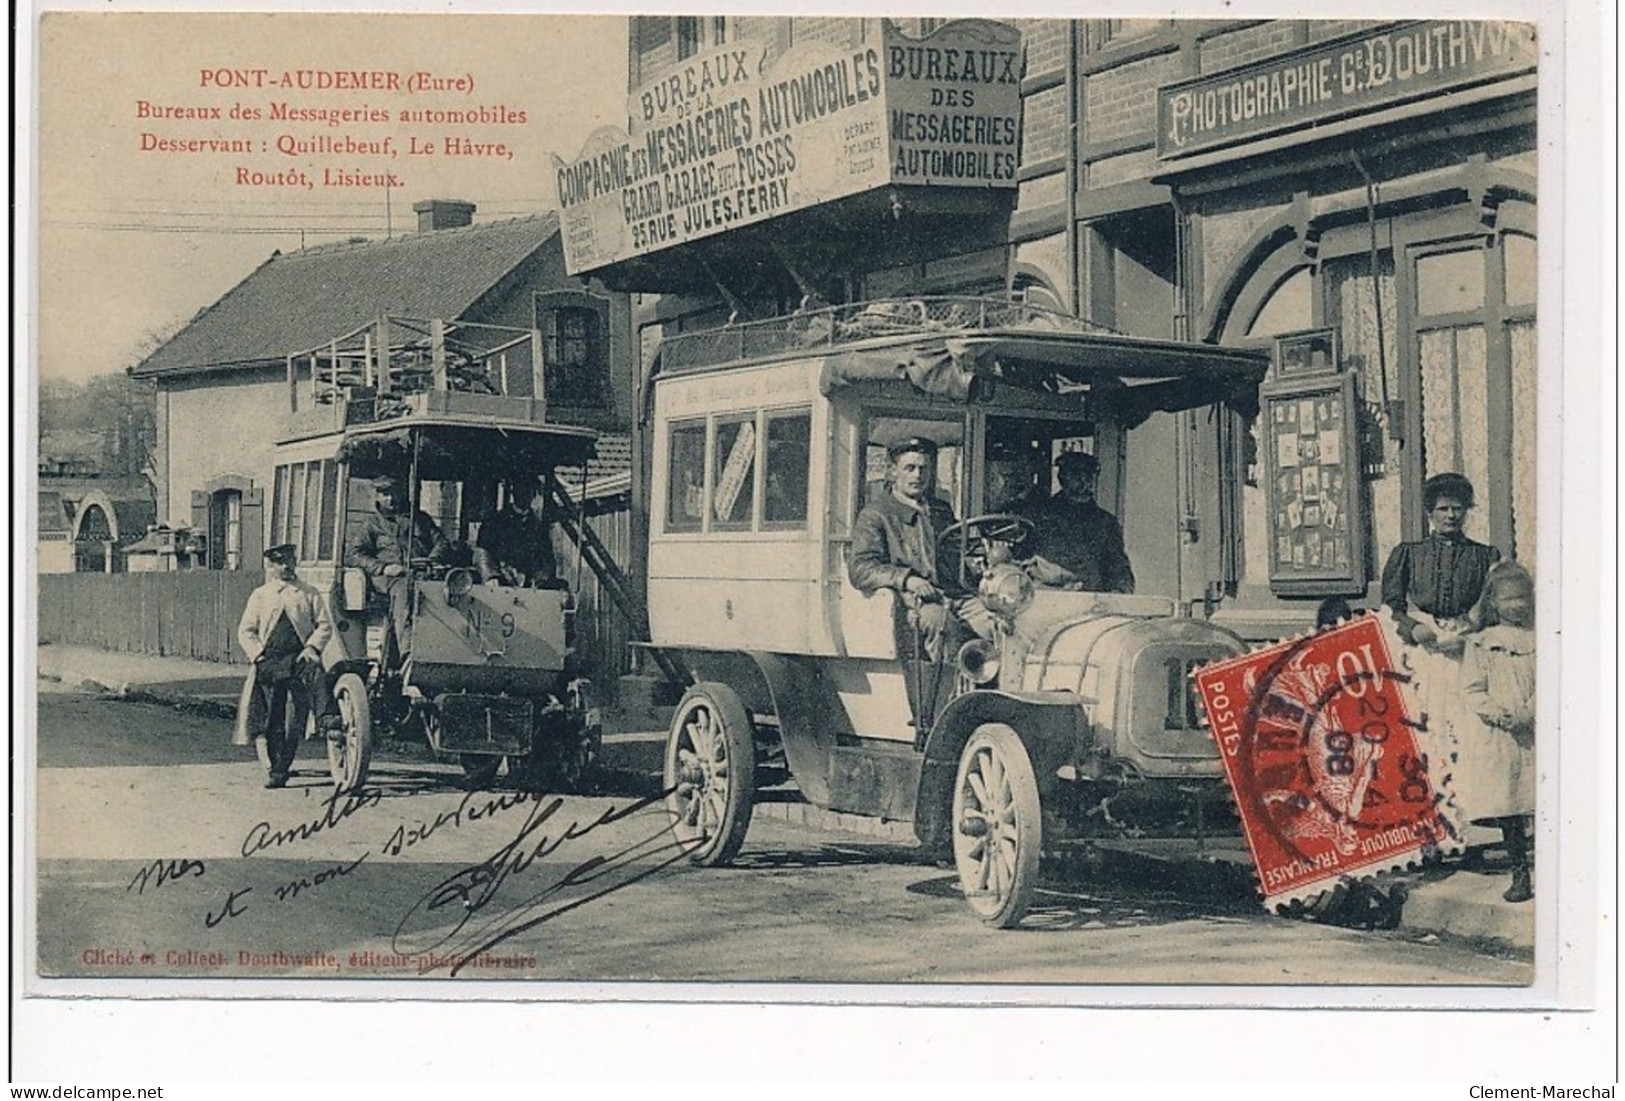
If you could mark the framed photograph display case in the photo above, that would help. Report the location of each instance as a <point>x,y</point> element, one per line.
<point>1312,457</point>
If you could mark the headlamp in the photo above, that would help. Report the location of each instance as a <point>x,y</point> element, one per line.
<point>1006,590</point>
<point>458,583</point>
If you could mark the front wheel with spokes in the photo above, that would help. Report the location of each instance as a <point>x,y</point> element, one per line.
<point>998,829</point>
<point>349,749</point>
<point>710,773</point>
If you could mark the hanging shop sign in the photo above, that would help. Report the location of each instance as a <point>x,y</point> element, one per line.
<point>1348,75</point>
<point>729,139</point>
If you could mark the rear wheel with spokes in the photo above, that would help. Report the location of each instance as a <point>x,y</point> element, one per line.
<point>710,773</point>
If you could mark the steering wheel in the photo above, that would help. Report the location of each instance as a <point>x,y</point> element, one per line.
<point>976,533</point>
<point>427,569</point>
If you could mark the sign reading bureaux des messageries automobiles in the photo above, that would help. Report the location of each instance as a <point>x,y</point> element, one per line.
<point>729,138</point>
<point>1395,64</point>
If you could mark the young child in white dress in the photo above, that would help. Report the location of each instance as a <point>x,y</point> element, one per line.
<point>1496,762</point>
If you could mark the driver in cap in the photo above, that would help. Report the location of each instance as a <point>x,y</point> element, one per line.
<point>894,542</point>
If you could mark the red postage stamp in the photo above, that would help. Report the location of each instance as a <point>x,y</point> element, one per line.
<point>1322,754</point>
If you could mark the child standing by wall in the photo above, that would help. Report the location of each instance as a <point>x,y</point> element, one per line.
<point>1496,762</point>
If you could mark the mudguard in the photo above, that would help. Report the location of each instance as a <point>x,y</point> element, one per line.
<point>1051,726</point>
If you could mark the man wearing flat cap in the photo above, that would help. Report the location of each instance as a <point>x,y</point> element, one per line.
<point>1077,534</point>
<point>894,542</point>
<point>284,627</point>
<point>386,544</point>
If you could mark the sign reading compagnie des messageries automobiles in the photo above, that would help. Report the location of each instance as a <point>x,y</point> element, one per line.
<point>725,140</point>
<point>1375,68</point>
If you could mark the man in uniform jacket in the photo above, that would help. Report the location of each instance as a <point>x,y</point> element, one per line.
<point>894,542</point>
<point>283,629</point>
<point>1077,534</point>
<point>387,542</point>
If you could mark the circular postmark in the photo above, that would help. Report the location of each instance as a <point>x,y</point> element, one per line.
<point>1324,759</point>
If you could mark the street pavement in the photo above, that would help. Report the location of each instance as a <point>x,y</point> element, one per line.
<point>110,803</point>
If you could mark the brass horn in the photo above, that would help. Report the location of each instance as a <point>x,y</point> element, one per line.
<point>979,660</point>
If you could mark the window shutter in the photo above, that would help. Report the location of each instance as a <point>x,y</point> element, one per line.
<point>253,527</point>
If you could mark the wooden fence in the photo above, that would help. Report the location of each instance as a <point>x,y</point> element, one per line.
<point>194,613</point>
<point>602,632</point>
<point>189,614</point>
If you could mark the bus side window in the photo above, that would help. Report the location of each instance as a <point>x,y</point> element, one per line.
<point>789,454</point>
<point>685,495</point>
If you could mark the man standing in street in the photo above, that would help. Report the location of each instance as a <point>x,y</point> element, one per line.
<point>1077,534</point>
<point>894,542</point>
<point>387,543</point>
<point>284,627</point>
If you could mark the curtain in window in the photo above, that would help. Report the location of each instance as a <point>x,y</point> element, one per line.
<point>1455,422</point>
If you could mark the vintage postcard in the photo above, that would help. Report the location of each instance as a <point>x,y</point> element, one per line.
<point>616,506</point>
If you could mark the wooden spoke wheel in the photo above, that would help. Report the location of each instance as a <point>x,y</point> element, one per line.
<point>349,752</point>
<point>710,773</point>
<point>997,827</point>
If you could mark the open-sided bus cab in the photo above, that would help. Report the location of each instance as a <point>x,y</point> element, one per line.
<point>768,440</point>
<point>488,672</point>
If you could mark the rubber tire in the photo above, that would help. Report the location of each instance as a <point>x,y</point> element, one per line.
<point>1006,903</point>
<point>720,707</point>
<point>348,762</point>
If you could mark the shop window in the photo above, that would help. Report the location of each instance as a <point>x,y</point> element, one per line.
<point>575,335</point>
<point>1288,309</point>
<point>1450,282</point>
<point>733,478</point>
<point>1455,427</point>
<point>685,495</point>
<point>789,453</point>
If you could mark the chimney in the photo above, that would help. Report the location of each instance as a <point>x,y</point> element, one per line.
<point>443,214</point>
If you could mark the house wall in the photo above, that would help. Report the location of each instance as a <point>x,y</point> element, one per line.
<point>55,555</point>
<point>215,425</point>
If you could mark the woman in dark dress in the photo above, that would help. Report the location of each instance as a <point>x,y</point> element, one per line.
<point>1431,587</point>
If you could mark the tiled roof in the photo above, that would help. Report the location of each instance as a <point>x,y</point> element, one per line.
<point>298,300</point>
<point>609,471</point>
<point>53,515</point>
<point>73,488</point>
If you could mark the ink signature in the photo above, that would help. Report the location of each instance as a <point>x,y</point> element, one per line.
<point>161,871</point>
<point>461,898</point>
<point>467,810</point>
<point>336,807</point>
